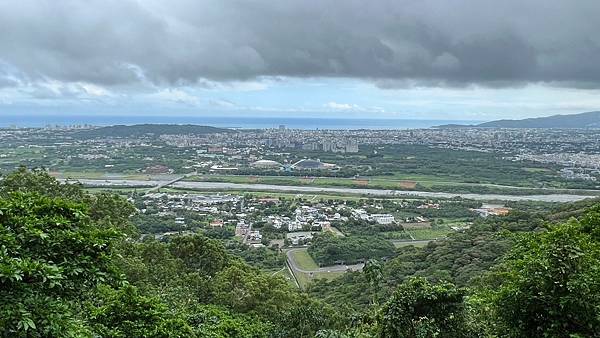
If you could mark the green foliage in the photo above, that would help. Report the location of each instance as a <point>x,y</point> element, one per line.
<point>420,309</point>
<point>72,266</point>
<point>548,285</point>
<point>38,181</point>
<point>306,317</point>
<point>112,210</point>
<point>459,258</point>
<point>60,275</point>
<point>199,253</point>
<point>264,258</point>
<point>220,232</point>
<point>373,271</point>
<point>51,254</point>
<point>244,289</point>
<point>154,224</point>
<point>210,321</point>
<point>327,249</point>
<point>127,313</point>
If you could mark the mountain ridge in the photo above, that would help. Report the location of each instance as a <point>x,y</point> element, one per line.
<point>138,130</point>
<point>571,121</point>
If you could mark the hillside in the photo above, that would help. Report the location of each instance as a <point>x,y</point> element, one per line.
<point>583,120</point>
<point>139,130</point>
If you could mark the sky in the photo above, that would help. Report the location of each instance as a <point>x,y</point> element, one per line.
<point>408,59</point>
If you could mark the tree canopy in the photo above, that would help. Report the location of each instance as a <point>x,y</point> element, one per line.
<point>549,283</point>
<point>71,265</point>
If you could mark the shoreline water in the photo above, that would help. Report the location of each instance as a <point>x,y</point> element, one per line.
<point>239,122</point>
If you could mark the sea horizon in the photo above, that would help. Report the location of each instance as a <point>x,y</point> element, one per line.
<point>236,122</point>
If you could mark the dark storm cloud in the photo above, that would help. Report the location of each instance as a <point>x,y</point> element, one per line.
<point>392,42</point>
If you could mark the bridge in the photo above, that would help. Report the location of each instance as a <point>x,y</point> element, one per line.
<point>167,183</point>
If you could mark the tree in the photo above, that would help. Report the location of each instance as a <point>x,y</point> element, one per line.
<point>245,289</point>
<point>420,309</point>
<point>304,318</point>
<point>51,254</point>
<point>113,210</point>
<point>548,285</point>
<point>373,270</point>
<point>211,321</point>
<point>127,313</point>
<point>327,249</point>
<point>200,253</point>
<point>39,181</point>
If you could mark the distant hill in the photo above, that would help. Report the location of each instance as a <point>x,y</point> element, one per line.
<point>583,120</point>
<point>140,130</point>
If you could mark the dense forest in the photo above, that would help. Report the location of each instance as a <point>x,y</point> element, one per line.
<point>328,249</point>
<point>72,265</point>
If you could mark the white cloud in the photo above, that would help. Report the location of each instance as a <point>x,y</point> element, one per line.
<point>221,103</point>
<point>94,90</point>
<point>175,95</point>
<point>353,107</point>
<point>340,106</point>
<point>52,89</point>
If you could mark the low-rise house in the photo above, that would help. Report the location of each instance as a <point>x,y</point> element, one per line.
<point>382,218</point>
<point>217,223</point>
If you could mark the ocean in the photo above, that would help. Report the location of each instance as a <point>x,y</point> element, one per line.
<point>241,122</point>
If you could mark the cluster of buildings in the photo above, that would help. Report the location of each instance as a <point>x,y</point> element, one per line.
<point>580,174</point>
<point>304,164</point>
<point>172,205</point>
<point>569,160</point>
<point>377,218</point>
<point>572,148</point>
<point>333,146</point>
<point>243,149</point>
<point>492,210</point>
<point>306,218</point>
<point>191,202</point>
<point>533,141</point>
<point>251,237</point>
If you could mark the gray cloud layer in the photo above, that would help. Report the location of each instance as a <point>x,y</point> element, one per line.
<point>392,42</point>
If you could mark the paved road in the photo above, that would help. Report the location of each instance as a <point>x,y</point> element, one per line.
<point>333,268</point>
<point>166,183</point>
<point>313,190</point>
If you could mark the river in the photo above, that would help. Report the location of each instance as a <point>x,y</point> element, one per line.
<point>334,190</point>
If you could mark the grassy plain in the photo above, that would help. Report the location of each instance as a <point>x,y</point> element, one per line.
<point>305,262</point>
<point>424,234</point>
<point>303,259</point>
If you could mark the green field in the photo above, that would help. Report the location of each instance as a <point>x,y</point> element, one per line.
<point>304,261</point>
<point>101,175</point>
<point>423,234</point>
<point>305,278</point>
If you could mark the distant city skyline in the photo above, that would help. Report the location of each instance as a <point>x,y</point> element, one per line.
<point>465,60</point>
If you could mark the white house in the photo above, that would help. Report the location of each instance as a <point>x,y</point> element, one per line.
<point>382,218</point>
